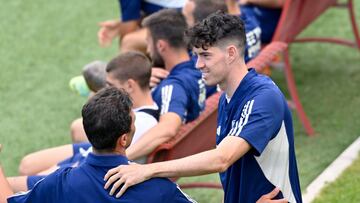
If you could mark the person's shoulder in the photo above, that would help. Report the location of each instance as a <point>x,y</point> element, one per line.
<point>154,188</point>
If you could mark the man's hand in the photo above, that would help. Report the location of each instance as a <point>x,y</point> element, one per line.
<point>157,74</point>
<point>108,31</point>
<point>268,197</point>
<point>125,176</point>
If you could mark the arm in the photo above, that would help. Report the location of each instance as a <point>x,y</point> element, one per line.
<point>166,129</point>
<point>114,28</point>
<point>157,74</point>
<point>5,189</point>
<point>217,160</point>
<point>265,3</point>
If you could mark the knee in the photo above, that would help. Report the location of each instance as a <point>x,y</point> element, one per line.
<point>132,42</point>
<point>25,167</point>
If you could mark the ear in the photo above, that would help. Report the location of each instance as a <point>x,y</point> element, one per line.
<point>122,141</point>
<point>161,45</point>
<point>130,85</point>
<point>232,54</point>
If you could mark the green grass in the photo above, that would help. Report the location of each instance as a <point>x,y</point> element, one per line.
<point>345,189</point>
<point>45,43</point>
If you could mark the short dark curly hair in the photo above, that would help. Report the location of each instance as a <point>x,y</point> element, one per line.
<point>107,116</point>
<point>216,30</point>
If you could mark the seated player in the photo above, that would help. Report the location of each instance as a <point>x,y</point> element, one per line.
<point>128,27</point>
<point>181,96</point>
<point>267,13</point>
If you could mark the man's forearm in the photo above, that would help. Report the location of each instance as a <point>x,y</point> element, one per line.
<point>5,189</point>
<point>199,164</point>
<point>217,160</point>
<point>145,145</point>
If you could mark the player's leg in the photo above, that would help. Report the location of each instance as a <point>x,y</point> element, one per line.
<point>42,160</point>
<point>18,183</point>
<point>134,41</point>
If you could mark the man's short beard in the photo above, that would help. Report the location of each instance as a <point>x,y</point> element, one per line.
<point>157,60</point>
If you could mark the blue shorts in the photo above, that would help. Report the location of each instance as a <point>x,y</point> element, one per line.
<point>132,9</point>
<point>267,18</point>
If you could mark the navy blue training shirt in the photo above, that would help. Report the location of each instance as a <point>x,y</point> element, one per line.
<point>85,184</point>
<point>258,113</point>
<point>183,92</point>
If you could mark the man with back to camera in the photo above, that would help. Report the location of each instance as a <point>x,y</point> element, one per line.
<point>109,124</point>
<point>255,144</point>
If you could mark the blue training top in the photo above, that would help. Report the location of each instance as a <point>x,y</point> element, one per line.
<point>85,184</point>
<point>132,9</point>
<point>183,92</point>
<point>80,152</point>
<point>267,18</point>
<point>258,113</point>
<point>253,36</point>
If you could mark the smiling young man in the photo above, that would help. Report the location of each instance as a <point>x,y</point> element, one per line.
<point>195,11</point>
<point>255,143</point>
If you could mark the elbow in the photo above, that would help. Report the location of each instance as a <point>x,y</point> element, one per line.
<point>26,166</point>
<point>223,163</point>
<point>172,133</point>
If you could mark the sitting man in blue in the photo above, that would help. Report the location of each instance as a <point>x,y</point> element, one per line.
<point>128,26</point>
<point>255,149</point>
<point>266,12</point>
<point>181,96</point>
<point>109,124</point>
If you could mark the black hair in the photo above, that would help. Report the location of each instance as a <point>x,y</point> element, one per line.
<point>107,116</point>
<point>218,29</point>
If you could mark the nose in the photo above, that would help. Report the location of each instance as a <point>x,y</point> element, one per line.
<point>199,63</point>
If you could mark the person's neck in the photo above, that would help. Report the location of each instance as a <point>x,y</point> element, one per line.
<point>234,78</point>
<point>174,57</point>
<point>116,151</point>
<point>142,98</point>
